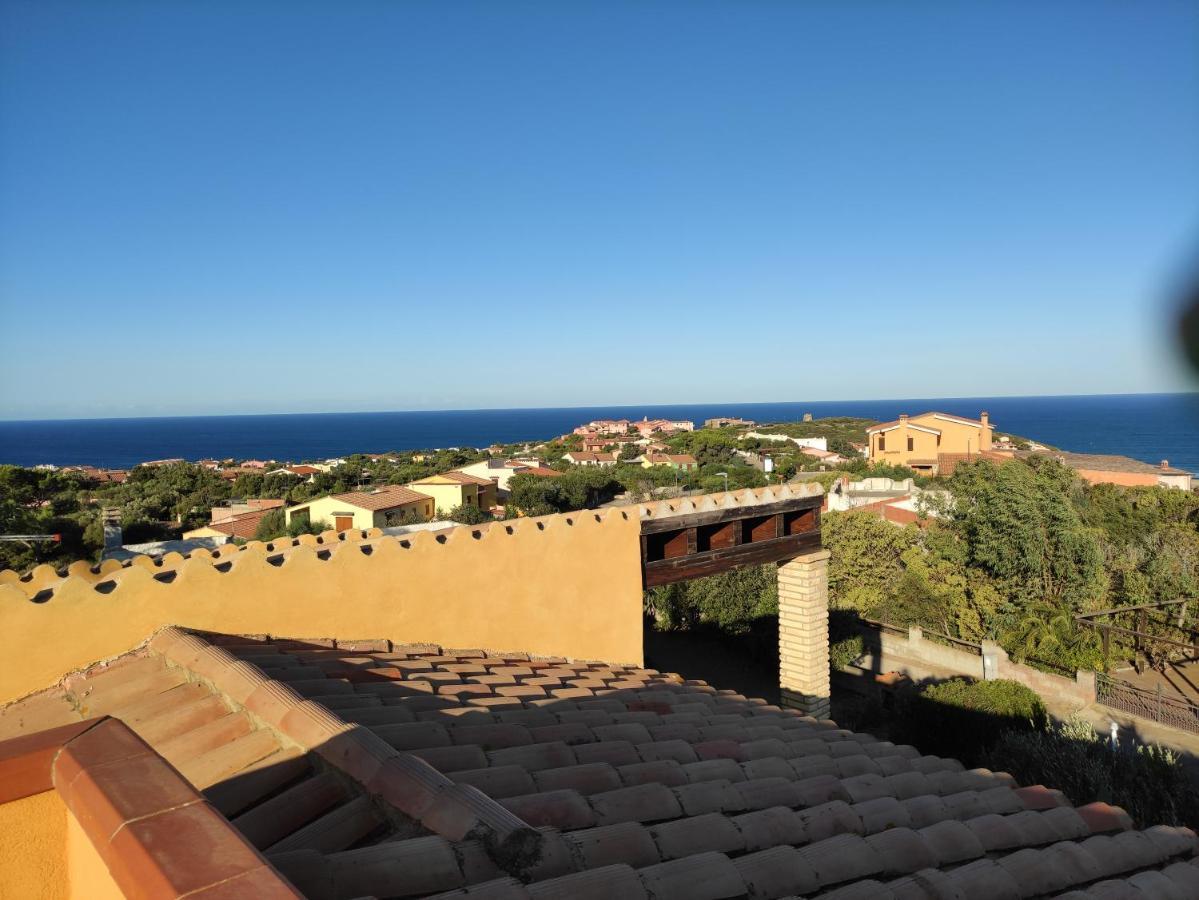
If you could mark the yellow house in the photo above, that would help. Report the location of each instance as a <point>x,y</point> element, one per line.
<point>920,442</point>
<point>488,488</point>
<point>682,461</point>
<point>378,508</point>
<point>451,489</point>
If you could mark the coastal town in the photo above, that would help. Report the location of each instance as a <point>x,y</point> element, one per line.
<point>946,592</point>
<point>599,451</point>
<point>891,469</point>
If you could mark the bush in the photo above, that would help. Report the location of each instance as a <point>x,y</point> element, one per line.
<point>300,526</point>
<point>964,718</point>
<point>273,524</point>
<point>846,643</point>
<point>1147,781</point>
<point>468,515</point>
<point>730,602</point>
<point>846,651</point>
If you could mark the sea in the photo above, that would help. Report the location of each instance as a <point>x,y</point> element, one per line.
<point>1148,427</point>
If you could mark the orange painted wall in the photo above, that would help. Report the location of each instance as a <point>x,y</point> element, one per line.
<point>33,857</point>
<point>1127,479</point>
<point>567,585</point>
<point>87,873</point>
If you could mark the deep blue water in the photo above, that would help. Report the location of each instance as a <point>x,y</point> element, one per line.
<point>1150,427</point>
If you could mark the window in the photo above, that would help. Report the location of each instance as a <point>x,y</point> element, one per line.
<point>882,442</point>
<point>911,444</point>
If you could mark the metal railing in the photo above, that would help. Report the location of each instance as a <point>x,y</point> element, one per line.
<point>1153,705</point>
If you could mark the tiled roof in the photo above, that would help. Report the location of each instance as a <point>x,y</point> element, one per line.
<point>244,525</point>
<point>388,497</point>
<point>1109,463</point>
<point>374,769</point>
<point>582,456</point>
<point>467,478</point>
<point>683,459</point>
<point>947,463</point>
<point>951,417</point>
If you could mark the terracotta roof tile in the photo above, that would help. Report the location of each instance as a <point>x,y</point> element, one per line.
<point>657,786</point>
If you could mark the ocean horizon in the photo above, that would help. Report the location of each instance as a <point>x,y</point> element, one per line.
<point>1149,427</point>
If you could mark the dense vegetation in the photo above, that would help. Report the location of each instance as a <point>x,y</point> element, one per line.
<point>161,502</point>
<point>1018,550</point>
<point>1147,781</point>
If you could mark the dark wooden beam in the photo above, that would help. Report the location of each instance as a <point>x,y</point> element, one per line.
<point>713,562</point>
<point>692,520</point>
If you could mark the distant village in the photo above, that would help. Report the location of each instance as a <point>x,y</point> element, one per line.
<point>889,469</point>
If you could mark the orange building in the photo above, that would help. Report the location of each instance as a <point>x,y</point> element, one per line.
<point>918,442</point>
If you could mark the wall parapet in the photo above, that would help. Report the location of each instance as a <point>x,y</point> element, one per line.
<point>566,584</point>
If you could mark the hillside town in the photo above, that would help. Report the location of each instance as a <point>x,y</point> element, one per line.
<point>890,469</point>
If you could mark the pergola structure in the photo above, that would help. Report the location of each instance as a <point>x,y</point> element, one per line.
<point>681,541</point>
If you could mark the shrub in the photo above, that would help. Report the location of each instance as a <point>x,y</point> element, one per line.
<point>965,718</point>
<point>846,651</point>
<point>468,515</point>
<point>273,524</point>
<point>1149,782</point>
<point>304,526</point>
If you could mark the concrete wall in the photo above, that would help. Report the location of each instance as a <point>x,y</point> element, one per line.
<point>919,657</point>
<point>566,585</point>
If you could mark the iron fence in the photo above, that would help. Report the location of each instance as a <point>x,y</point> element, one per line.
<point>1152,705</point>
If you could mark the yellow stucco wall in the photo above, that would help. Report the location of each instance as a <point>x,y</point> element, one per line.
<point>33,856</point>
<point>326,509</point>
<point>566,585</point>
<point>487,495</point>
<point>446,496</point>
<point>87,873</point>
<point>956,437</point>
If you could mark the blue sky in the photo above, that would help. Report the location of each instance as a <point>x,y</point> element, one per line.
<point>271,207</point>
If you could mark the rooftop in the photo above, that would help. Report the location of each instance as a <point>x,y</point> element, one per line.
<point>1110,463</point>
<point>387,497</point>
<point>367,768</point>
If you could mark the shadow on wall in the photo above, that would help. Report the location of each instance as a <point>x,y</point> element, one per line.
<point>747,662</point>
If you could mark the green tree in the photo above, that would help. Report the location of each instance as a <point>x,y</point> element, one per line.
<point>467,515</point>
<point>1022,529</point>
<point>867,557</point>
<point>273,524</point>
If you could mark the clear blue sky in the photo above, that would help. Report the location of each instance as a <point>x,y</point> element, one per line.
<point>213,207</point>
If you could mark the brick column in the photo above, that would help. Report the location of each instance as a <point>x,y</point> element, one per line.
<point>803,633</point>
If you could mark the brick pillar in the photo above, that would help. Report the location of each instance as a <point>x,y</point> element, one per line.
<point>803,633</point>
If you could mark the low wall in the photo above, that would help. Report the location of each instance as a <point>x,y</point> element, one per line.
<point>919,657</point>
<point>567,585</point>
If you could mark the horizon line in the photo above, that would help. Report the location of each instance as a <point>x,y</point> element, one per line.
<point>8,421</point>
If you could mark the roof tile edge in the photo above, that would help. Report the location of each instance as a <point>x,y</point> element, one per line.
<point>48,760</point>
<point>405,782</point>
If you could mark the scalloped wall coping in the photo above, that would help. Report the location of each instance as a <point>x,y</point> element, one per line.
<point>44,578</point>
<point>567,584</point>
